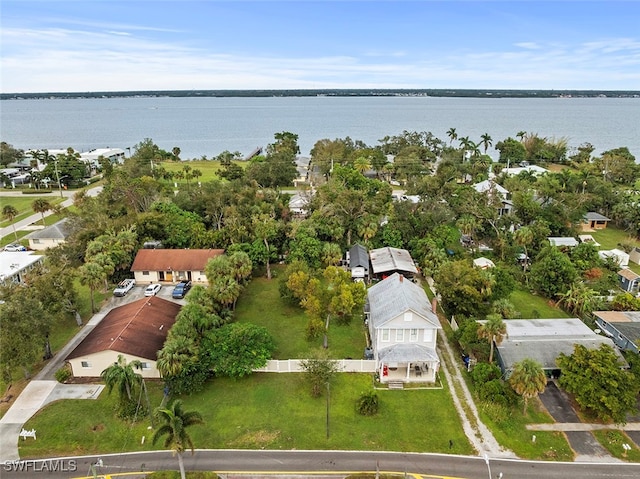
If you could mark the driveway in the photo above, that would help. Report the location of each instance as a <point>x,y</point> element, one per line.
<point>583,443</point>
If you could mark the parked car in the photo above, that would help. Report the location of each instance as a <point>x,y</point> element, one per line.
<point>124,287</point>
<point>13,247</point>
<point>152,289</point>
<point>181,289</point>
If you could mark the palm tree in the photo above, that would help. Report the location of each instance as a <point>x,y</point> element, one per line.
<point>174,355</point>
<point>41,206</point>
<point>523,236</point>
<point>176,421</point>
<point>9,212</point>
<point>452,134</point>
<point>121,376</point>
<point>92,275</point>
<point>493,330</point>
<point>521,134</point>
<point>362,164</point>
<point>579,299</point>
<point>527,379</point>
<point>486,142</point>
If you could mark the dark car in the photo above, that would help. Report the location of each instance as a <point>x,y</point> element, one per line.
<point>181,289</point>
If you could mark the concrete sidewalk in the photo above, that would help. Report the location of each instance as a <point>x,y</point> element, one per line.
<point>579,426</point>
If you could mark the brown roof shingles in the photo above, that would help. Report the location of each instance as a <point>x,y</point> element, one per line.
<point>173,259</point>
<point>138,328</point>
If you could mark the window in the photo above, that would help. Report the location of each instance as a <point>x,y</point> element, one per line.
<point>385,335</point>
<point>408,316</point>
<point>145,365</point>
<point>399,335</point>
<point>35,241</point>
<point>145,273</point>
<point>85,364</point>
<point>428,335</point>
<point>413,335</point>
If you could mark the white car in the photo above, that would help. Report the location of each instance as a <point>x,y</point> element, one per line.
<point>13,247</point>
<point>152,289</point>
<point>124,287</point>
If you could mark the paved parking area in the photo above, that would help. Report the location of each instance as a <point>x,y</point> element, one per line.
<point>583,443</point>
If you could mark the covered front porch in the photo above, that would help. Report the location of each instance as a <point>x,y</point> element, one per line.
<point>409,363</point>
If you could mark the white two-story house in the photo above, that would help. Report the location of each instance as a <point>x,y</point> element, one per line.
<point>403,329</point>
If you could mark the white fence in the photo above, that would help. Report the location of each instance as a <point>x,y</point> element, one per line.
<point>293,366</point>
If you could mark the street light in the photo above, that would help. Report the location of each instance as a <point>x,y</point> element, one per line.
<point>55,165</point>
<point>486,460</point>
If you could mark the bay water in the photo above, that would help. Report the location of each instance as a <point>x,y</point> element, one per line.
<point>208,126</point>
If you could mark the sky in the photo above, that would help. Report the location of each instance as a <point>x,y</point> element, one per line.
<point>111,45</point>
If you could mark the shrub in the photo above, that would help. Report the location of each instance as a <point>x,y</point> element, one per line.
<point>497,392</point>
<point>485,372</point>
<point>368,404</point>
<point>63,374</point>
<point>33,191</point>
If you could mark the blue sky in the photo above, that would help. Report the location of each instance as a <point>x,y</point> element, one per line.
<point>96,45</point>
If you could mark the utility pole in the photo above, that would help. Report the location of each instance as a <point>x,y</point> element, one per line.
<point>55,165</point>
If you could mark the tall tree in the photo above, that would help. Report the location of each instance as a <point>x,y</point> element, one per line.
<point>493,330</point>
<point>528,380</point>
<point>9,212</point>
<point>175,421</point>
<point>486,142</point>
<point>92,275</point>
<point>265,227</point>
<point>598,383</point>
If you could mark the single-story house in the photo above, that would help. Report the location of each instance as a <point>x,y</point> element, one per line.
<point>136,330</point>
<point>617,255</point>
<point>543,340</point>
<point>629,281</point>
<point>594,221</point>
<point>358,262</point>
<point>623,327</point>
<point>563,242</point>
<point>403,329</point>
<point>497,193</point>
<point>483,263</point>
<point>14,265</point>
<point>51,236</point>
<point>386,261</point>
<point>172,265</point>
<point>535,170</point>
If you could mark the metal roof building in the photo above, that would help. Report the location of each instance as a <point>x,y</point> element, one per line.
<point>386,261</point>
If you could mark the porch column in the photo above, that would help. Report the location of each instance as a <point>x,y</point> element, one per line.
<point>408,370</point>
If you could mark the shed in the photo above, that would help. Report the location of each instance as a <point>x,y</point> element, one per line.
<point>563,241</point>
<point>594,221</point>
<point>617,255</point>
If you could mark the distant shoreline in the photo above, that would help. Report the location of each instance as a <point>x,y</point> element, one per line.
<point>461,93</point>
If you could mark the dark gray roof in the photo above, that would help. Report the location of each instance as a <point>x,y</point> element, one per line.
<point>359,256</point>
<point>631,331</point>
<point>59,230</point>
<point>395,295</point>
<point>389,259</point>
<point>403,353</point>
<point>593,216</point>
<point>544,339</point>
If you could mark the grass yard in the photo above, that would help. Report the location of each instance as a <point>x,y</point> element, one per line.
<point>532,306</point>
<point>23,204</point>
<point>611,237</point>
<point>613,440</point>
<point>260,304</point>
<point>509,428</point>
<point>271,411</point>
<point>209,168</point>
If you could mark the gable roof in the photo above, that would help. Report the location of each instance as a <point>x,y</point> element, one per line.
<point>395,295</point>
<point>626,322</point>
<point>389,259</point>
<point>173,259</point>
<point>490,185</point>
<point>358,256</point>
<point>138,328</point>
<point>59,230</point>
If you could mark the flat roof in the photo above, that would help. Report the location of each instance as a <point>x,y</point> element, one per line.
<point>14,262</point>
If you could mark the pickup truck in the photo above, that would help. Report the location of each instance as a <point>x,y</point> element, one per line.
<point>124,287</point>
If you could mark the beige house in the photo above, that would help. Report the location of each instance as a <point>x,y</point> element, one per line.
<point>49,237</point>
<point>172,265</point>
<point>136,331</point>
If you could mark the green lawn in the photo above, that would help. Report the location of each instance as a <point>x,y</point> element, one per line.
<point>260,304</point>
<point>208,168</point>
<point>271,411</point>
<point>532,306</point>
<point>611,237</point>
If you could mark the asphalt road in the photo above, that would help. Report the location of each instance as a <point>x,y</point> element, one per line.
<point>258,463</point>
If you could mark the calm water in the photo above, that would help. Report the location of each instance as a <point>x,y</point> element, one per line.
<point>208,126</point>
